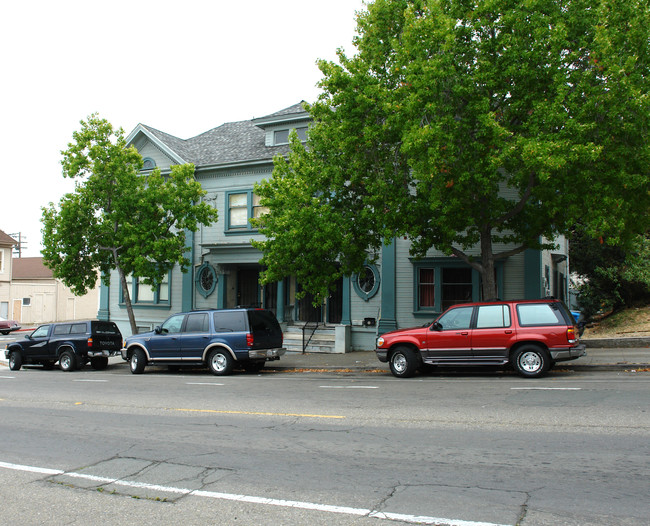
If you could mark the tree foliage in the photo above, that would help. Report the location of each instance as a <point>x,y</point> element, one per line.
<point>118,218</point>
<point>612,277</point>
<point>467,123</point>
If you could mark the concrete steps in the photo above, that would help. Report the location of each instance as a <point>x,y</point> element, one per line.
<point>323,340</point>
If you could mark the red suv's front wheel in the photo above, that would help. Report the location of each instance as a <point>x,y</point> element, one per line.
<point>404,362</point>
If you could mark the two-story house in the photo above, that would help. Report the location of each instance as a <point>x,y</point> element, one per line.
<point>396,291</point>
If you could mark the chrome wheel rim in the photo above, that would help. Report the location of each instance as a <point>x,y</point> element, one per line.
<point>65,361</point>
<point>134,362</point>
<point>399,363</point>
<point>530,362</point>
<point>218,362</point>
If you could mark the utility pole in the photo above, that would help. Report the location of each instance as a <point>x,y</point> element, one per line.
<point>22,243</point>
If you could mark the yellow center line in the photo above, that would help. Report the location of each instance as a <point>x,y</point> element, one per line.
<point>223,412</point>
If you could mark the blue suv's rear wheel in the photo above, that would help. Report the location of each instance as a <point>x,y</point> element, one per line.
<point>220,362</point>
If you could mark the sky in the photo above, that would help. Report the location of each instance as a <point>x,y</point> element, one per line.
<point>181,67</point>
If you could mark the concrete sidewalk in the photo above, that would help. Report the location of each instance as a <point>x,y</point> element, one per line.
<point>596,358</point>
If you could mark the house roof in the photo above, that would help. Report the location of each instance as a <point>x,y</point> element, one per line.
<point>233,142</point>
<point>7,240</point>
<point>30,268</point>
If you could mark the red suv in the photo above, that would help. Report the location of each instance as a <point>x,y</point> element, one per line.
<point>531,335</point>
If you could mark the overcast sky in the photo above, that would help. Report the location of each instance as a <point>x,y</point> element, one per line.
<point>181,67</point>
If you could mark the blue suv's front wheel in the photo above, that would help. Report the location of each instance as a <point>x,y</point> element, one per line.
<point>220,362</point>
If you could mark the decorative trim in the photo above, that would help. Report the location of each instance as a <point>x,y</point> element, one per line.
<point>370,282</point>
<point>206,279</point>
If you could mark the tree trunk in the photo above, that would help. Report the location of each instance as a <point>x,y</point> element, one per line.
<point>127,301</point>
<point>488,276</point>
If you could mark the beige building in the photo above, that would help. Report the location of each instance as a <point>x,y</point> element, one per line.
<point>31,295</point>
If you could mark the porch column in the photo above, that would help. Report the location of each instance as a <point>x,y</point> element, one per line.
<point>280,301</point>
<point>388,321</point>
<point>346,315</point>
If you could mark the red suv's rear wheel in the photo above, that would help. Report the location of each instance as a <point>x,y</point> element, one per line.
<point>531,361</point>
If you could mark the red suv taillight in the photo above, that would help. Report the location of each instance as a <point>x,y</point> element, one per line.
<point>249,339</point>
<point>571,334</point>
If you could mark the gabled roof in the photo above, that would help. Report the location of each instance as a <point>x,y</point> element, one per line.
<point>30,268</point>
<point>233,142</point>
<point>7,240</point>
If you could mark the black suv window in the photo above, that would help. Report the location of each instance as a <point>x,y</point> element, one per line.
<point>104,327</point>
<point>230,321</point>
<point>61,329</point>
<point>41,332</point>
<point>197,322</point>
<point>531,314</point>
<point>78,328</point>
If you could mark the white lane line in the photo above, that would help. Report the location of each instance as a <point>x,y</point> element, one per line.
<point>348,387</point>
<point>82,380</point>
<point>202,383</point>
<point>7,377</point>
<point>361,512</point>
<point>546,388</point>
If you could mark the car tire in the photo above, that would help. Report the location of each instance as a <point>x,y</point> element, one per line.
<point>99,363</point>
<point>404,362</point>
<point>68,361</point>
<point>531,361</point>
<point>15,361</point>
<point>138,361</point>
<point>5,333</point>
<point>220,362</point>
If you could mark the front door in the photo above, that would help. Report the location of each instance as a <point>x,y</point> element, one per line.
<point>248,288</point>
<point>166,345</point>
<point>451,341</point>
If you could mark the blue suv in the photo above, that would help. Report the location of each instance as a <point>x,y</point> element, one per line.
<point>219,339</point>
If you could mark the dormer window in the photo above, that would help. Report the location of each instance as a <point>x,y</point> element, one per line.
<point>148,163</point>
<point>282,136</point>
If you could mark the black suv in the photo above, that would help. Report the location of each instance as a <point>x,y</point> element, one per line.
<point>72,344</point>
<point>219,338</point>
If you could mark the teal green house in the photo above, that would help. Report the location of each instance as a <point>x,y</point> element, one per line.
<point>396,291</point>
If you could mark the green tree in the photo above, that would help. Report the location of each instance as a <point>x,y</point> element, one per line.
<point>467,123</point>
<point>118,218</point>
<point>613,278</point>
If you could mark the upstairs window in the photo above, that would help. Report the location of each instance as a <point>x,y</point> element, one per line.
<point>282,136</point>
<point>242,206</point>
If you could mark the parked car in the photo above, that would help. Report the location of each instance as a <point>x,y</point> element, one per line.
<point>7,326</point>
<point>530,335</point>
<point>72,344</point>
<point>219,339</point>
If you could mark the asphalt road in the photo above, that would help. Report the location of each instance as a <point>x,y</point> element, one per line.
<point>465,448</point>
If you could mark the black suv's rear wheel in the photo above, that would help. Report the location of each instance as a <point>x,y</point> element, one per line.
<point>404,362</point>
<point>531,361</point>
<point>220,362</point>
<point>15,361</point>
<point>68,361</point>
